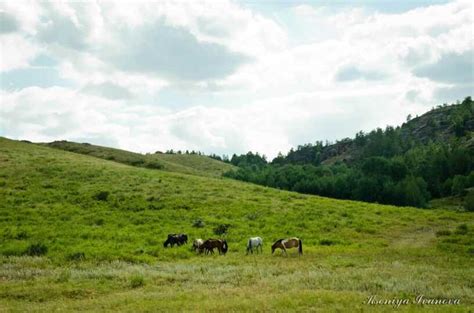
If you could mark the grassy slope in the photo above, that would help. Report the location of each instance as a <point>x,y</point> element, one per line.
<point>181,163</point>
<point>48,197</point>
<point>193,164</point>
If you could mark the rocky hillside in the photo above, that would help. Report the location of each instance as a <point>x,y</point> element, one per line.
<point>441,124</point>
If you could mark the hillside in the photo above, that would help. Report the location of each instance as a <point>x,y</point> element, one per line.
<point>441,124</point>
<point>83,233</point>
<point>181,163</point>
<point>428,157</point>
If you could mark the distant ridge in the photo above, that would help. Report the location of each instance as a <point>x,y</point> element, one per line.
<point>182,163</point>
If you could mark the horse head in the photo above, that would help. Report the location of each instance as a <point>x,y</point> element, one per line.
<point>276,245</point>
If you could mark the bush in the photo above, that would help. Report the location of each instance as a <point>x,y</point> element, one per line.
<point>137,281</point>
<point>101,196</point>
<point>469,201</point>
<point>326,242</point>
<point>199,223</point>
<point>462,229</point>
<point>36,249</point>
<point>459,184</point>
<point>136,162</point>
<point>221,229</point>
<point>21,235</point>
<point>153,165</point>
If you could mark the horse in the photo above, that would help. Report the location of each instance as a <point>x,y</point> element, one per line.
<point>254,242</point>
<point>209,245</point>
<point>176,239</point>
<point>197,243</point>
<point>288,244</point>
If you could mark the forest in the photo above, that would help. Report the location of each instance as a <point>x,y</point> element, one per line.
<point>428,157</point>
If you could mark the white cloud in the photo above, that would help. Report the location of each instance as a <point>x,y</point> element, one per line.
<point>261,82</point>
<point>15,52</point>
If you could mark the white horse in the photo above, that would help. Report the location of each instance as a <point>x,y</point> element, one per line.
<point>255,242</point>
<point>197,244</point>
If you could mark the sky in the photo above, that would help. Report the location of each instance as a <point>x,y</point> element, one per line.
<point>227,77</point>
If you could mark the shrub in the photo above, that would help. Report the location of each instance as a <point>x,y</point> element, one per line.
<point>21,235</point>
<point>198,223</point>
<point>135,162</point>
<point>326,242</point>
<point>462,229</point>
<point>137,281</point>
<point>153,165</point>
<point>469,201</point>
<point>221,229</point>
<point>36,249</point>
<point>101,196</point>
<point>155,206</point>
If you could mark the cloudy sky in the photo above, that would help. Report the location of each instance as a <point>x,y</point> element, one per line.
<point>227,76</point>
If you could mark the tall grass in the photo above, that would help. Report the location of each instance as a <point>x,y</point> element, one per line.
<point>81,233</point>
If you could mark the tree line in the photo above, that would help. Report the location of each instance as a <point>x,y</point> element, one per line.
<point>427,157</point>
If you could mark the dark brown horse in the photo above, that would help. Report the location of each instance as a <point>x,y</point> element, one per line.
<point>288,244</point>
<point>209,245</point>
<point>176,239</point>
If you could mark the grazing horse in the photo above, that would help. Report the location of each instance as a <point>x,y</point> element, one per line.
<point>176,239</point>
<point>209,245</point>
<point>197,243</point>
<point>288,244</point>
<point>255,242</point>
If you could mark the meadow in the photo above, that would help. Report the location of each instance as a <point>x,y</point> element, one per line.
<point>79,233</point>
<point>186,163</point>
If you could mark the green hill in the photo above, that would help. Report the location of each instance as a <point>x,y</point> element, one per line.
<point>83,233</point>
<point>439,125</point>
<point>181,163</point>
<point>428,157</point>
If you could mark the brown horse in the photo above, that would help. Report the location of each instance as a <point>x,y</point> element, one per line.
<point>288,244</point>
<point>209,245</point>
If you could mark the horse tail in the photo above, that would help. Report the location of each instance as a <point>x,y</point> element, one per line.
<point>300,246</point>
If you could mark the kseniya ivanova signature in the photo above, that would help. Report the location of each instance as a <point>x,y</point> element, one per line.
<point>419,300</point>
